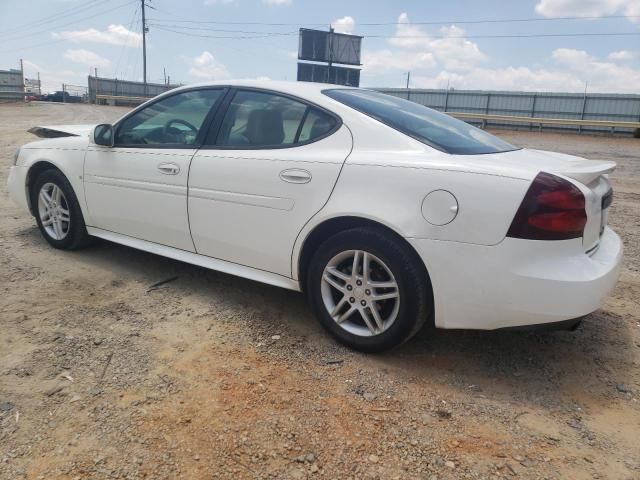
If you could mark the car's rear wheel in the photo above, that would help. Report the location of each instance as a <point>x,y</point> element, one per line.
<point>368,290</point>
<point>57,211</point>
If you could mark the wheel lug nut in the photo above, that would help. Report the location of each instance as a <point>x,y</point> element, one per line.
<point>363,303</point>
<point>359,282</point>
<point>349,287</point>
<point>368,292</point>
<point>352,300</point>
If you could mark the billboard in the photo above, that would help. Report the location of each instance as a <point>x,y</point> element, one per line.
<point>331,47</point>
<point>311,72</point>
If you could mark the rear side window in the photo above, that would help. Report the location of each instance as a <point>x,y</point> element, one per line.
<point>267,120</point>
<point>316,124</point>
<point>436,129</point>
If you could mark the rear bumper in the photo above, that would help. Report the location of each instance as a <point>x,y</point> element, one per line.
<point>17,186</point>
<point>518,282</point>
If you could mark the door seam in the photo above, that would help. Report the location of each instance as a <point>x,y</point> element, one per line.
<point>187,200</point>
<point>293,247</point>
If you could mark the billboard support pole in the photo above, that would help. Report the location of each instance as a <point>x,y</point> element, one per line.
<point>330,53</point>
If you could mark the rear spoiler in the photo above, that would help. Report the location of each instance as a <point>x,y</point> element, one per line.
<point>587,171</point>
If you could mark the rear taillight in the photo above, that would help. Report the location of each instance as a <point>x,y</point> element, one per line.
<point>552,209</point>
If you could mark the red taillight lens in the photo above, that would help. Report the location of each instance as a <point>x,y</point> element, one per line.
<point>552,209</point>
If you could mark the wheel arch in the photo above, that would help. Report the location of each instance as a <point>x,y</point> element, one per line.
<point>331,226</point>
<point>34,171</point>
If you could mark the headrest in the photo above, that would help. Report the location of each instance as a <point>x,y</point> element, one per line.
<point>265,127</point>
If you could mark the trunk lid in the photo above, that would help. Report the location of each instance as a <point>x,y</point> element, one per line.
<point>580,169</point>
<point>527,163</point>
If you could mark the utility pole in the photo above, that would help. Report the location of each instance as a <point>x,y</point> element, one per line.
<point>144,48</point>
<point>164,73</point>
<point>22,76</point>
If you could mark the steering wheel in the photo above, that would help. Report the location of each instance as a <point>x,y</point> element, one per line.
<point>181,122</point>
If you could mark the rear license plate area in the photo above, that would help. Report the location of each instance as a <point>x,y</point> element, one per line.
<point>607,199</point>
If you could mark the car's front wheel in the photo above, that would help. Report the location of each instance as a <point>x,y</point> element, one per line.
<point>57,211</point>
<point>368,290</point>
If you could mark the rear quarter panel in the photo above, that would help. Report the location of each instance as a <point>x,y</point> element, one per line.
<point>384,190</point>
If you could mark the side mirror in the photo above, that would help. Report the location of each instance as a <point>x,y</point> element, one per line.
<point>103,135</point>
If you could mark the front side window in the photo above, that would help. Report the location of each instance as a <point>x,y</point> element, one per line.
<point>436,129</point>
<point>175,120</point>
<point>267,120</point>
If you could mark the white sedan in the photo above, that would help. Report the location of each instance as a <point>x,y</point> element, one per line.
<point>387,214</point>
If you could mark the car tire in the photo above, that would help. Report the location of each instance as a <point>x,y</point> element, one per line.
<point>64,226</point>
<point>333,290</point>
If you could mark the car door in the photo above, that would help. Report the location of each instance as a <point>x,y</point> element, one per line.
<point>268,165</point>
<point>138,187</point>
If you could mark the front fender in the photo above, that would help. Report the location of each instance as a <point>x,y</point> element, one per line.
<point>67,156</point>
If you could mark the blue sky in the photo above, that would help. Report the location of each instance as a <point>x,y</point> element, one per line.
<point>65,39</point>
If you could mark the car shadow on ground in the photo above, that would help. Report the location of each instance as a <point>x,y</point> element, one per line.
<point>545,368</point>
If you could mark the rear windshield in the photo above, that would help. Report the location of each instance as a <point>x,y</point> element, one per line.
<point>424,124</point>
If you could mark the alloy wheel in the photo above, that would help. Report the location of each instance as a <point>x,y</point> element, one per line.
<point>53,210</point>
<point>360,293</point>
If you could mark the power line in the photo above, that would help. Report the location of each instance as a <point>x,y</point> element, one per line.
<point>54,17</point>
<point>507,20</point>
<point>31,34</point>
<point>135,68</point>
<point>525,35</point>
<point>124,47</point>
<point>237,37</point>
<point>222,30</point>
<point>245,35</point>
<point>440,22</point>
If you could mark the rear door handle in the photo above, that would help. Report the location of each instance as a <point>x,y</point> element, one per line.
<point>169,168</point>
<point>295,175</point>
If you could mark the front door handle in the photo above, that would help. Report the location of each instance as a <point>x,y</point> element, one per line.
<point>169,168</point>
<point>295,175</point>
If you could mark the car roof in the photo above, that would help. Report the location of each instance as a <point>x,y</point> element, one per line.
<point>311,93</point>
<point>293,88</point>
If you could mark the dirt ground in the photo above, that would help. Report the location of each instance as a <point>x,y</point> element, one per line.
<point>211,376</point>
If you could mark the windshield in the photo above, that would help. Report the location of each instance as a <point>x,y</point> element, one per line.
<point>424,124</point>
